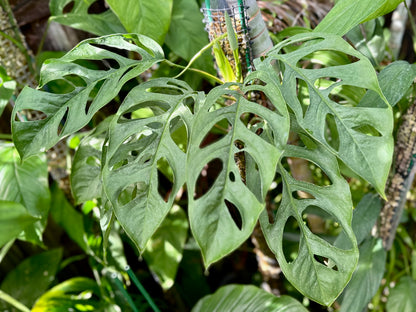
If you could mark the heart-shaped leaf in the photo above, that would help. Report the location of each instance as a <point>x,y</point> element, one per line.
<point>368,153</point>
<point>89,89</point>
<point>140,151</point>
<point>237,145</point>
<point>320,270</point>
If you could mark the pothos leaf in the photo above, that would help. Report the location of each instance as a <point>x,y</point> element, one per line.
<point>91,89</point>
<point>320,270</point>
<point>223,215</point>
<point>369,154</point>
<point>139,192</point>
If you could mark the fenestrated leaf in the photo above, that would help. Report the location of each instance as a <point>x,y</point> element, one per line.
<point>164,250</point>
<point>236,298</point>
<point>346,14</point>
<point>369,155</point>
<point>32,276</point>
<point>7,87</point>
<point>68,112</point>
<point>367,278</point>
<point>402,297</point>
<point>224,216</point>
<point>149,18</point>
<point>14,218</point>
<point>136,147</point>
<point>101,24</point>
<point>75,294</point>
<point>26,183</point>
<point>320,281</point>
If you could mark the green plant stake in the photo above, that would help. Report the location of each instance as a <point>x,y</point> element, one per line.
<point>126,295</point>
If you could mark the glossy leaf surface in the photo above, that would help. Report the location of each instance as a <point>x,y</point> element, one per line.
<point>89,89</point>
<point>138,148</point>
<point>235,298</point>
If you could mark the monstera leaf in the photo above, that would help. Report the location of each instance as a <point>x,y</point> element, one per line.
<point>142,152</point>
<point>320,270</point>
<point>89,89</point>
<point>242,160</point>
<point>364,133</point>
<point>75,13</point>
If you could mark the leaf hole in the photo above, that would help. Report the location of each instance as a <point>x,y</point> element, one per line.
<point>131,192</point>
<point>300,195</point>
<point>75,80</point>
<point>61,125</point>
<point>326,262</point>
<point>165,184</point>
<point>207,177</point>
<point>239,144</point>
<point>291,243</point>
<point>231,176</point>
<point>223,100</point>
<point>331,132</point>
<point>303,95</point>
<point>274,197</point>
<point>179,133</point>
<point>68,7</point>
<point>304,170</point>
<point>32,114</point>
<point>93,161</point>
<point>217,132</point>
<point>367,130</point>
<point>97,7</point>
<point>234,213</point>
<point>346,94</point>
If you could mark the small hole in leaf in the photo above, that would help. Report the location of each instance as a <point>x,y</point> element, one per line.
<point>217,132</point>
<point>274,197</point>
<point>97,7</point>
<point>302,195</point>
<point>240,161</point>
<point>68,8</point>
<point>75,80</point>
<point>165,178</point>
<point>92,161</point>
<point>178,133</point>
<point>61,125</point>
<point>326,262</point>
<point>239,144</point>
<point>232,176</point>
<point>207,177</point>
<point>223,100</point>
<point>130,192</point>
<point>32,114</point>
<point>234,213</point>
<point>291,235</point>
<point>331,132</point>
<point>367,130</point>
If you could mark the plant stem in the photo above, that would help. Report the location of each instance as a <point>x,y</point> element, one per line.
<point>4,136</point>
<point>10,300</point>
<point>126,295</point>
<point>141,289</point>
<point>5,249</point>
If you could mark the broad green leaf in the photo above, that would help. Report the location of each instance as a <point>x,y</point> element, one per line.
<point>149,18</point>
<point>137,189</point>
<point>86,165</point>
<point>346,14</point>
<point>402,74</point>
<point>402,297</point>
<point>7,87</point>
<point>364,218</point>
<point>67,217</point>
<point>92,88</point>
<point>78,17</point>
<point>367,154</point>
<point>27,184</point>
<point>236,298</point>
<point>322,281</point>
<point>32,277</point>
<point>223,216</point>
<point>14,218</point>
<point>76,294</point>
<point>164,250</point>
<point>366,278</point>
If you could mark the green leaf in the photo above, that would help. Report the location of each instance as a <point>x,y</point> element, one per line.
<point>67,217</point>
<point>137,189</point>
<point>319,280</point>
<point>164,250</point>
<point>236,298</point>
<point>346,14</point>
<point>92,88</point>
<point>86,166</point>
<point>7,87</point>
<point>14,218</point>
<point>32,277</point>
<point>402,74</point>
<point>76,294</point>
<point>216,231</point>
<point>149,18</point>
<point>363,220</point>
<point>27,184</point>
<point>402,297</point>
<point>369,155</point>
<point>366,278</point>
<point>101,24</point>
